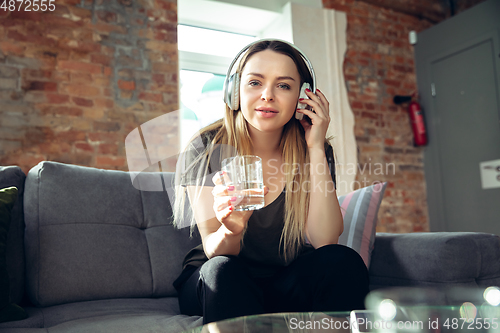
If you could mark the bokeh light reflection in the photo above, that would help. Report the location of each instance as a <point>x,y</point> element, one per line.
<point>492,295</point>
<point>387,309</point>
<point>468,311</point>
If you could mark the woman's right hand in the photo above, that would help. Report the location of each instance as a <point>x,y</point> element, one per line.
<point>234,221</point>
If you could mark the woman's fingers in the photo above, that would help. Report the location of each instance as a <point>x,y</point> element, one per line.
<point>311,114</point>
<point>318,102</point>
<point>229,190</point>
<point>318,97</point>
<point>266,189</point>
<point>221,203</point>
<point>319,105</point>
<point>224,213</point>
<point>322,99</point>
<point>317,109</point>
<point>221,190</point>
<point>221,178</point>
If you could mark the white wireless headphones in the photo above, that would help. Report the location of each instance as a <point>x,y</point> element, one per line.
<point>232,82</point>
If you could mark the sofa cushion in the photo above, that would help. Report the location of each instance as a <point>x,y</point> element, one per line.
<point>91,235</point>
<point>114,315</point>
<point>130,323</point>
<point>34,320</point>
<point>14,176</point>
<point>435,259</point>
<point>25,330</point>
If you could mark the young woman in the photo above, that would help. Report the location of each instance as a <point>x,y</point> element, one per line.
<point>283,257</point>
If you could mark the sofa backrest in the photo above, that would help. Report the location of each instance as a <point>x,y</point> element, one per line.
<point>14,251</point>
<point>91,235</point>
<point>435,259</point>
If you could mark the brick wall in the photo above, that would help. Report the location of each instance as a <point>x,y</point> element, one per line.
<point>380,64</point>
<point>75,81</point>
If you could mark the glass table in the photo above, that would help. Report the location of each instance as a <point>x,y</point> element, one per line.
<point>297,322</point>
<point>414,319</point>
<point>391,310</point>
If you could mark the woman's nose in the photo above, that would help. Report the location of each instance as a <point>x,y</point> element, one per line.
<point>267,95</point>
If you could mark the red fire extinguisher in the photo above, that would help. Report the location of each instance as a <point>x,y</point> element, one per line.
<point>416,118</point>
<point>417,124</point>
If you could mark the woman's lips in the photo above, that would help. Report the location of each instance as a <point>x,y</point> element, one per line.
<point>266,112</point>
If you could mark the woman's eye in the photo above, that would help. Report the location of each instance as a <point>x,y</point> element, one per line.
<point>284,86</point>
<point>253,83</point>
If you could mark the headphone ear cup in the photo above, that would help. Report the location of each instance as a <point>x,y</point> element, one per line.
<point>235,98</point>
<point>232,92</point>
<point>228,88</point>
<point>302,94</point>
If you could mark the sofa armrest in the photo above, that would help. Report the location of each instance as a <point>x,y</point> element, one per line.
<point>435,259</point>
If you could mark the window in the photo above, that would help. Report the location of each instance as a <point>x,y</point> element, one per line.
<point>201,101</point>
<point>209,41</point>
<point>204,57</point>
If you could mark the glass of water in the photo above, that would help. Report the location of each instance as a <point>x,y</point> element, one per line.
<point>245,174</point>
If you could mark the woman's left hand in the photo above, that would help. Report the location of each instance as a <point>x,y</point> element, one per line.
<point>320,118</point>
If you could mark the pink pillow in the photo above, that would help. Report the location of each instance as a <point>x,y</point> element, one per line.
<point>360,209</point>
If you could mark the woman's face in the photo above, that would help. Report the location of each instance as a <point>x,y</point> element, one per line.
<point>269,90</point>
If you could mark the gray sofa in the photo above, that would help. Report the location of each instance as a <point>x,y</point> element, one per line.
<point>92,253</point>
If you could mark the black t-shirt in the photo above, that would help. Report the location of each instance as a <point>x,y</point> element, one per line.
<point>261,241</point>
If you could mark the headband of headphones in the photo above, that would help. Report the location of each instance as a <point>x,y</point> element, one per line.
<point>232,82</point>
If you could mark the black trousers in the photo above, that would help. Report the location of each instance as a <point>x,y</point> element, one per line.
<point>330,278</point>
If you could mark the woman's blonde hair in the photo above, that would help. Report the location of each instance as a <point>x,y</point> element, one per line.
<point>232,130</point>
